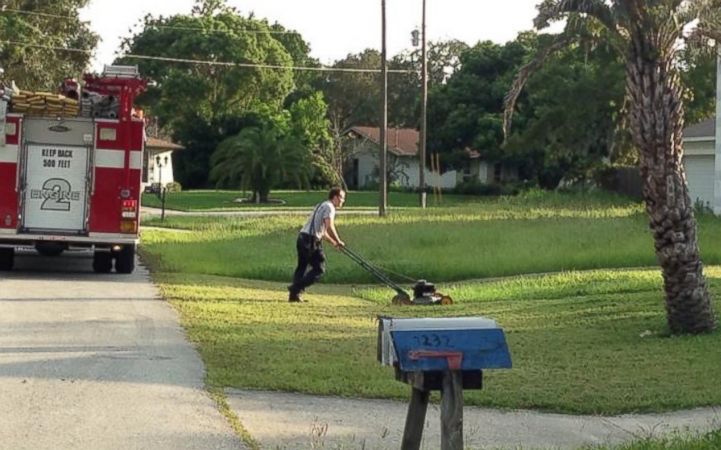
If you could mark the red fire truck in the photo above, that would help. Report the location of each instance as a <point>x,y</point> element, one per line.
<point>68,182</point>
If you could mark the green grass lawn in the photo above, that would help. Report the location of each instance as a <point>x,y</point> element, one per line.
<point>709,441</point>
<point>582,341</point>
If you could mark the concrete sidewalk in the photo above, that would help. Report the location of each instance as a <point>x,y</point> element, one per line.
<point>295,422</point>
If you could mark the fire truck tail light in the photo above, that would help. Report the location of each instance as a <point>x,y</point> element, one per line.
<point>129,215</point>
<point>128,226</point>
<point>129,209</point>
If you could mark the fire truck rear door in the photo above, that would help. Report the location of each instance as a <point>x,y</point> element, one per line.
<point>56,163</point>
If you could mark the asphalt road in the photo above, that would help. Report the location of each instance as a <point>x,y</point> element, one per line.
<point>92,361</point>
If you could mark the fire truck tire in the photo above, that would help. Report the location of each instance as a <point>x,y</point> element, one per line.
<point>102,262</point>
<point>125,260</point>
<point>7,258</point>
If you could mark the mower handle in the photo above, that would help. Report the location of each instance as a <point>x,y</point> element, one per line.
<point>373,271</point>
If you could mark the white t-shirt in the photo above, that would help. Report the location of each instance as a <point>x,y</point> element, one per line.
<point>315,226</point>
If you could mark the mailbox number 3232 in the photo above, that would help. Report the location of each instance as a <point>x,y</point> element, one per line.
<point>432,340</point>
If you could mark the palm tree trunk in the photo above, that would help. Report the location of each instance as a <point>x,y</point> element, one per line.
<point>657,120</point>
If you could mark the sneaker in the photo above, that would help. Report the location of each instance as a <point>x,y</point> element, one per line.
<point>294,297</point>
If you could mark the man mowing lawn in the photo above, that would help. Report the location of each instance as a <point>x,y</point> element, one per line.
<point>320,225</point>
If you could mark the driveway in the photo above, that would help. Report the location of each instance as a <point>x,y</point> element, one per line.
<point>92,361</point>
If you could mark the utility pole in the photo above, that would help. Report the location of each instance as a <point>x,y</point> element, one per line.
<point>424,103</point>
<point>382,205</point>
<point>717,158</point>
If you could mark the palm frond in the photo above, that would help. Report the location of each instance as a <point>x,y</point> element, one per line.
<point>553,10</point>
<point>509,102</point>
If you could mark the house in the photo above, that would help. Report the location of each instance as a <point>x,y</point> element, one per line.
<point>486,172</point>
<point>403,163</point>
<point>158,161</point>
<point>702,163</point>
<point>158,158</point>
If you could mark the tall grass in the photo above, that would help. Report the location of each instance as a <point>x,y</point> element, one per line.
<point>451,246</point>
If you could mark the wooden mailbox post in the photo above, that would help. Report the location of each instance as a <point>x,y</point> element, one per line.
<point>443,354</point>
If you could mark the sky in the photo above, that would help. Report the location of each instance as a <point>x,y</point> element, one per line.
<point>334,28</point>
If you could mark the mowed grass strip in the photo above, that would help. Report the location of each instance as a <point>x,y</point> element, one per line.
<point>591,342</point>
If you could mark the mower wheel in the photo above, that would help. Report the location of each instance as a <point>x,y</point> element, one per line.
<point>401,300</point>
<point>446,300</point>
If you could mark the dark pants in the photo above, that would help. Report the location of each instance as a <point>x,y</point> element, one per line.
<point>310,253</point>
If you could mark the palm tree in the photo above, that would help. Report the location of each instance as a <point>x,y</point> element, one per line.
<point>646,34</point>
<point>260,157</point>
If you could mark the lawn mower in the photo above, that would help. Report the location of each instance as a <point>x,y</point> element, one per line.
<point>424,293</point>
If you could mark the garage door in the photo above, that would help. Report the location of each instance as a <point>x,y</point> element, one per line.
<point>700,177</point>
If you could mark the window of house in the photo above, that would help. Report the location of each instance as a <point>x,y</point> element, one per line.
<point>497,172</point>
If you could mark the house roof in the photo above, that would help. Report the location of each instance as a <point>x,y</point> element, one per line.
<point>401,141</point>
<point>705,129</point>
<point>160,144</point>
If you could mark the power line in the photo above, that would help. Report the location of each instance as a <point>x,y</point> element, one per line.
<point>168,27</point>
<point>214,63</point>
<point>263,66</point>
<point>25,44</point>
<point>35,13</point>
<point>173,27</point>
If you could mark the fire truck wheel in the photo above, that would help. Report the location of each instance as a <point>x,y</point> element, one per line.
<point>102,262</point>
<point>7,258</point>
<point>125,260</point>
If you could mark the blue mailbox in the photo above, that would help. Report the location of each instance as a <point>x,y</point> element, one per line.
<point>439,344</point>
<point>446,354</point>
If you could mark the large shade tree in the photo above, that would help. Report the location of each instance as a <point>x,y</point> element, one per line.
<point>562,138</point>
<point>646,33</point>
<point>201,103</point>
<point>310,125</point>
<point>28,27</point>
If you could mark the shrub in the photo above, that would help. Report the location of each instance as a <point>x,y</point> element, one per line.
<point>701,209</point>
<point>173,187</point>
<point>475,187</point>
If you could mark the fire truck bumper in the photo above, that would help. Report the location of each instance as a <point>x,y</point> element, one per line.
<point>12,237</point>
